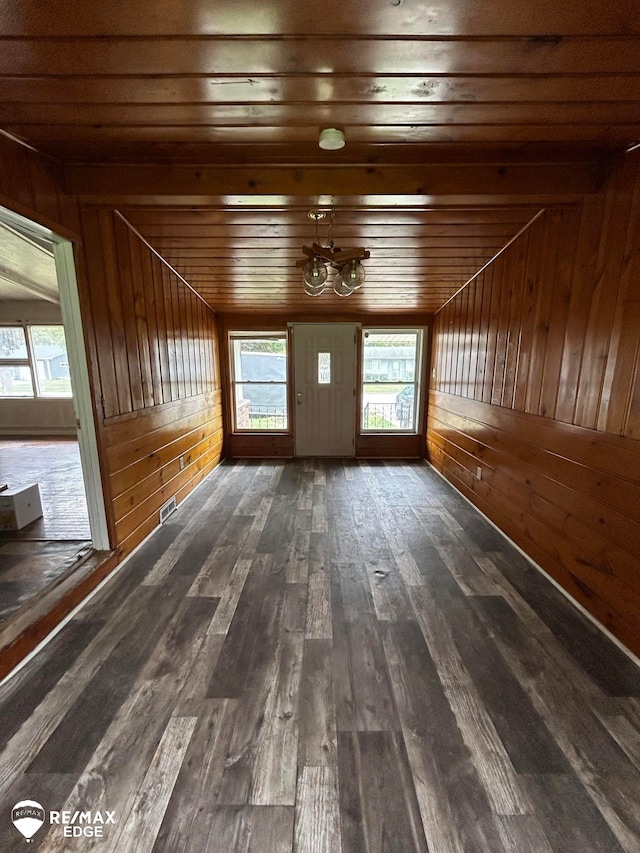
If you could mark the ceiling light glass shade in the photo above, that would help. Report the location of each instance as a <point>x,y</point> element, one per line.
<point>315,277</point>
<point>340,287</point>
<point>313,291</point>
<point>331,139</point>
<point>314,273</point>
<point>353,275</point>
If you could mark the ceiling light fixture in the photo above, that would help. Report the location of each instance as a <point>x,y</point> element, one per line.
<point>349,272</point>
<point>331,139</point>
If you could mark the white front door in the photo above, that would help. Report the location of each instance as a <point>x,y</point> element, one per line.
<point>324,369</point>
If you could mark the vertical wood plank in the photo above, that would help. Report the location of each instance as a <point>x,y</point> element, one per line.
<point>98,296</point>
<point>625,336</point>
<point>560,301</point>
<point>466,335</point>
<point>512,356</point>
<point>504,267</point>
<point>581,294</point>
<point>141,317</point>
<point>151,323</point>
<point>532,284</point>
<point>542,312</point>
<point>619,196</point>
<point>161,325</point>
<point>125,280</point>
<point>474,369</point>
<point>119,341</point>
<point>172,385</point>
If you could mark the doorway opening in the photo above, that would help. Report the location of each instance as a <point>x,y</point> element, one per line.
<point>47,429</point>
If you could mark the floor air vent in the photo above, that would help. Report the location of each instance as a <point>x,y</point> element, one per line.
<point>167,509</point>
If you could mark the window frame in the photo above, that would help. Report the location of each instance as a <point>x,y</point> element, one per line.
<point>258,334</point>
<point>31,362</point>
<point>416,382</point>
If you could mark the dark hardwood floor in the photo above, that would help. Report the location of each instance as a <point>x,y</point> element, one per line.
<point>53,463</point>
<point>35,557</point>
<point>327,656</point>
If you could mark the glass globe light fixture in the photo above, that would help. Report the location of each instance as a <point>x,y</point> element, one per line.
<point>340,288</point>
<point>353,275</point>
<point>315,277</point>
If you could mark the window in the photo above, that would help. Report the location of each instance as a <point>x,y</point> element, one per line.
<point>259,378</point>
<point>34,362</point>
<point>390,379</point>
<point>324,368</point>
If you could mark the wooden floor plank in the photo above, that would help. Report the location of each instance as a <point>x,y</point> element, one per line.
<point>570,820</point>
<point>250,829</point>
<point>389,808</point>
<point>319,607</point>
<point>196,788</point>
<point>592,754</point>
<point>317,740</point>
<point>464,818</point>
<point>317,823</point>
<point>327,655</point>
<point>143,822</point>
<point>274,773</point>
<point>487,751</point>
<point>523,833</point>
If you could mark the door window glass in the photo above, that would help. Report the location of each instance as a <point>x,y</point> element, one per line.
<point>324,368</point>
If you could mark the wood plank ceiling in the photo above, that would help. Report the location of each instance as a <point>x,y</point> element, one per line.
<point>199,122</point>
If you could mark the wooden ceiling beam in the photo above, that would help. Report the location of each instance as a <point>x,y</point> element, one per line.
<point>422,180</point>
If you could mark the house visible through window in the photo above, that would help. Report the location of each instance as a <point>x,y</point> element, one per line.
<point>390,379</point>
<point>34,362</point>
<point>259,378</point>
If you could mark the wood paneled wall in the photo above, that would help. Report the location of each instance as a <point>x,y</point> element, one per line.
<point>537,383</point>
<point>158,374</point>
<point>152,346</point>
<point>31,184</point>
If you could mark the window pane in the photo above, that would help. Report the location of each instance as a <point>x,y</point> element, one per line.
<point>15,381</point>
<point>390,356</point>
<point>12,343</point>
<point>260,382</point>
<point>387,407</point>
<point>261,407</point>
<point>390,375</point>
<point>52,362</point>
<point>324,368</point>
<point>260,359</point>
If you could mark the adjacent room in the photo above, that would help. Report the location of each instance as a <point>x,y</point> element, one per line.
<point>44,526</point>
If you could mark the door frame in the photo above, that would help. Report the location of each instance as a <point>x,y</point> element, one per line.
<point>79,370</point>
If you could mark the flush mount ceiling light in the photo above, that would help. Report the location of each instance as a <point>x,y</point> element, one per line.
<point>345,263</point>
<point>331,139</point>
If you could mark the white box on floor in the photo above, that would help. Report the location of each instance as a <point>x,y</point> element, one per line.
<point>19,507</point>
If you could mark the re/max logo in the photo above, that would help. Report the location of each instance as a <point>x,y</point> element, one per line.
<point>88,824</point>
